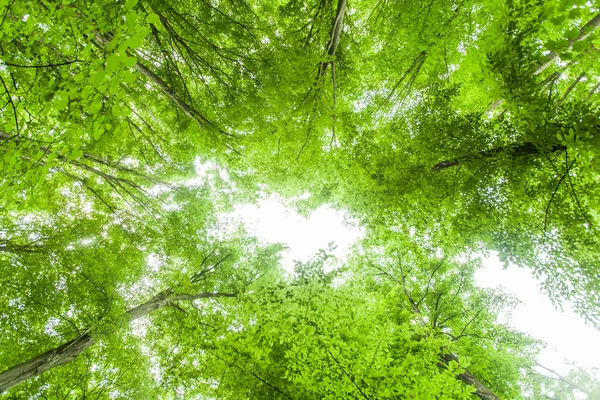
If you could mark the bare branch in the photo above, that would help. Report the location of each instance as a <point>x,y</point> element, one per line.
<point>554,194</point>
<point>41,66</point>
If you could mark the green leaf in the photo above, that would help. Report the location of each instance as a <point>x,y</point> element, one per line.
<point>566,56</point>
<point>80,76</point>
<point>129,4</point>
<point>61,100</point>
<point>116,110</point>
<point>572,34</point>
<point>96,104</point>
<point>113,43</point>
<point>133,42</point>
<point>153,18</point>
<point>86,91</point>
<point>98,78</point>
<point>112,63</point>
<point>131,19</point>
<point>130,62</point>
<point>580,45</point>
<point>128,76</point>
<point>76,154</point>
<point>98,134</point>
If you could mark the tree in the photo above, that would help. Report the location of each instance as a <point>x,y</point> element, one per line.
<point>128,129</point>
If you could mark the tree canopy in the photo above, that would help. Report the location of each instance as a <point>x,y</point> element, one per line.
<point>446,129</point>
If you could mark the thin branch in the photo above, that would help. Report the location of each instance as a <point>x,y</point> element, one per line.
<point>574,193</point>
<point>469,323</point>
<point>343,370</point>
<point>12,104</point>
<point>554,194</point>
<point>41,66</point>
<point>199,275</point>
<point>429,282</point>
<point>592,91</point>
<point>565,380</point>
<point>570,88</point>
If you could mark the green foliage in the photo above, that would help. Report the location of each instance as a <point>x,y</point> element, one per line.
<point>447,129</point>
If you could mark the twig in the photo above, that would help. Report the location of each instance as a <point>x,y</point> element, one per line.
<point>41,66</point>
<point>554,193</point>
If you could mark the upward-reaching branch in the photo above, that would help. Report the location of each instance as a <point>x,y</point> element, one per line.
<point>69,351</point>
<point>524,149</point>
<point>335,36</point>
<point>585,32</point>
<point>336,29</point>
<point>467,377</point>
<point>122,186</point>
<point>187,109</point>
<point>565,380</point>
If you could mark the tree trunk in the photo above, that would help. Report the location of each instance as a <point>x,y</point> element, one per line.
<point>187,109</point>
<point>336,29</point>
<point>481,390</point>
<point>468,378</point>
<point>335,36</point>
<point>67,352</point>
<point>524,149</point>
<point>586,31</point>
<point>19,249</point>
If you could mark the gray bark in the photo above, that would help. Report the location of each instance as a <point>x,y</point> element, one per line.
<point>335,36</point>
<point>524,149</point>
<point>187,109</point>
<point>586,31</point>
<point>468,378</point>
<point>481,390</point>
<point>336,29</point>
<point>69,351</point>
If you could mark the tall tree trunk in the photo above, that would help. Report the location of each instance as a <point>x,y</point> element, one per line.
<point>187,109</point>
<point>586,31</point>
<point>335,36</point>
<point>67,352</point>
<point>524,149</point>
<point>21,249</point>
<point>336,29</point>
<point>468,378</point>
<point>481,390</point>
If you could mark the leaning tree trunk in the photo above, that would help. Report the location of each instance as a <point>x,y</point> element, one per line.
<point>67,352</point>
<point>187,109</point>
<point>551,58</point>
<point>335,36</point>
<point>481,390</point>
<point>524,149</point>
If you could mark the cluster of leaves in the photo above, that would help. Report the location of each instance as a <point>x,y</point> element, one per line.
<point>128,127</point>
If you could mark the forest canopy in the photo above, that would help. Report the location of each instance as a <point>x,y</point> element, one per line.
<point>448,130</point>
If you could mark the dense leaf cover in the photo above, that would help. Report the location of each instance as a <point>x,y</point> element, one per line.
<point>446,129</point>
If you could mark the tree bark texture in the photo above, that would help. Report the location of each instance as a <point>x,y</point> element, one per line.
<point>524,149</point>
<point>67,352</point>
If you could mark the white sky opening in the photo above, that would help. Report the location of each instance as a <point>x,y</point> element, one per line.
<point>271,221</point>
<point>569,340</point>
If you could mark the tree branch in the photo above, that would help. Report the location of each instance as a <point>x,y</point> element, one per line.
<point>70,350</point>
<point>524,149</point>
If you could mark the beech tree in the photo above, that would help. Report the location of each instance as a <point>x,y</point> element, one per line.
<point>128,129</point>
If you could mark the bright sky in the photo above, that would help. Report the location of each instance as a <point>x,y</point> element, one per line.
<point>568,337</point>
